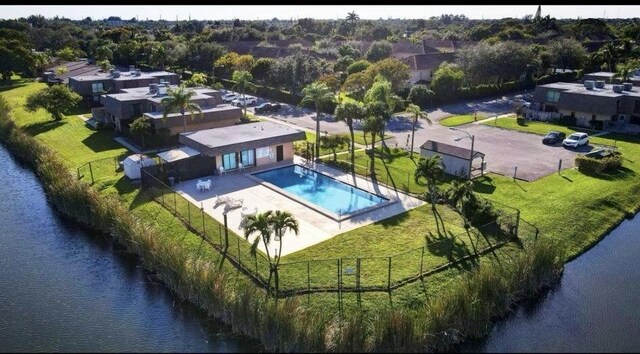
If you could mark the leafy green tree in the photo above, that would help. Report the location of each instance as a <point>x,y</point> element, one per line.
<point>197,79</point>
<point>392,69</point>
<point>67,54</point>
<point>378,51</point>
<point>179,100</point>
<point>140,128</point>
<point>15,56</point>
<point>416,113</point>
<point>420,95</point>
<point>243,83</point>
<point>262,67</point>
<point>318,94</point>
<point>343,63</point>
<point>356,85</point>
<point>103,53</point>
<point>105,65</point>
<point>431,170</point>
<point>334,142</point>
<point>568,53</point>
<point>349,112</point>
<point>57,100</point>
<point>447,80</point>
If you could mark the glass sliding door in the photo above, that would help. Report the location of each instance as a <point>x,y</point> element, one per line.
<point>229,161</point>
<point>247,157</point>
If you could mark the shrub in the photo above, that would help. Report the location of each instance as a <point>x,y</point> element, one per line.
<point>592,165</point>
<point>567,120</point>
<point>521,120</point>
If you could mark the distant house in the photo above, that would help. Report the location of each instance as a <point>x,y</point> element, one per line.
<point>91,85</point>
<point>70,69</point>
<point>122,108</point>
<point>605,76</point>
<point>457,161</point>
<point>244,145</point>
<point>423,66</point>
<point>615,107</point>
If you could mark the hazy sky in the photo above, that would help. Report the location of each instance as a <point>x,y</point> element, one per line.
<point>253,12</point>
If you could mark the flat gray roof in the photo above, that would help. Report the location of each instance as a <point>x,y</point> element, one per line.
<point>602,73</point>
<point>124,75</point>
<point>607,91</point>
<point>218,108</point>
<point>139,93</point>
<point>246,136</point>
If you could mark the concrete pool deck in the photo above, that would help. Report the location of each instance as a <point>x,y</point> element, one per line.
<point>314,227</point>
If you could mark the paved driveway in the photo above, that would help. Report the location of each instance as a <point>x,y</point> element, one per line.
<point>504,149</point>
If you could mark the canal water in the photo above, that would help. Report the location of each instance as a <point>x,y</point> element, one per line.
<point>65,290</point>
<point>595,308</point>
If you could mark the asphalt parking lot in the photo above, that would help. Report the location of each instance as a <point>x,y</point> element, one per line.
<point>504,149</point>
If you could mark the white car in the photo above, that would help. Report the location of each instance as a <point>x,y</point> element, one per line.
<point>228,97</point>
<point>246,101</point>
<point>576,140</point>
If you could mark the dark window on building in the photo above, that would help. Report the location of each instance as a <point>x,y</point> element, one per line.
<point>636,107</point>
<point>553,96</point>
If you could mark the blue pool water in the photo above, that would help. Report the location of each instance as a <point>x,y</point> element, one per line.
<point>321,190</point>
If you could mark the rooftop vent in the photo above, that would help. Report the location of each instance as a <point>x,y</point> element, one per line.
<point>138,72</point>
<point>132,68</point>
<point>627,86</point>
<point>116,73</point>
<point>153,88</point>
<point>600,84</point>
<point>162,90</point>
<point>617,88</point>
<point>589,84</point>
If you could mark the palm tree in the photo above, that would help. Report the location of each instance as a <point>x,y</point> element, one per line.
<point>374,124</point>
<point>431,169</point>
<point>243,82</point>
<point>317,93</point>
<point>382,92</point>
<point>352,18</point>
<point>280,222</point>
<point>460,194</point>
<point>348,112</point>
<point>179,100</point>
<point>417,113</point>
<point>261,224</point>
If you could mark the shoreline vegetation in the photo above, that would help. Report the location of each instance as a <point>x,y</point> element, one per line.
<point>462,306</point>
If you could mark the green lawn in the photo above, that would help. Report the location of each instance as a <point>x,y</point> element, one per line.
<point>459,120</point>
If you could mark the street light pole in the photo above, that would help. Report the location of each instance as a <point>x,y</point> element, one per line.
<point>472,137</point>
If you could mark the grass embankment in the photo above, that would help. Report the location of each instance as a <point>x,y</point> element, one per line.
<point>409,318</point>
<point>460,120</point>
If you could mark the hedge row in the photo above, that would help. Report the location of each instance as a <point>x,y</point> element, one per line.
<point>595,166</point>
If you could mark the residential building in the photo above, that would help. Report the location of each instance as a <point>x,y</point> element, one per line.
<point>60,74</point>
<point>423,66</point>
<point>90,87</point>
<point>617,107</point>
<point>244,145</point>
<point>122,108</point>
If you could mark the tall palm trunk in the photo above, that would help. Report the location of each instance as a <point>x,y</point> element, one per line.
<point>317,133</point>
<point>373,154</point>
<point>413,135</point>
<point>353,146</point>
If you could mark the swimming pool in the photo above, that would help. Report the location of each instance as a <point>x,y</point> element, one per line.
<point>330,194</point>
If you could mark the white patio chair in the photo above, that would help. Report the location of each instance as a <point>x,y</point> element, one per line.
<point>221,170</point>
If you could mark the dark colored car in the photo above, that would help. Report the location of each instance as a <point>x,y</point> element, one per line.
<point>267,107</point>
<point>553,137</point>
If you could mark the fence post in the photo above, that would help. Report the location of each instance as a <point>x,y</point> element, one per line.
<point>308,277</point>
<point>91,171</point>
<point>339,287</point>
<point>559,166</point>
<point>517,223</point>
<point>238,238</point>
<point>389,275</point>
<point>515,172</point>
<point>162,194</point>
<point>189,212</point>
<point>422,263</point>
<point>255,258</point>
<point>537,231</point>
<point>204,233</point>
<point>175,205</point>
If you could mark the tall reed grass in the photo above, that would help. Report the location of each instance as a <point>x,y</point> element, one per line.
<point>464,310</point>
